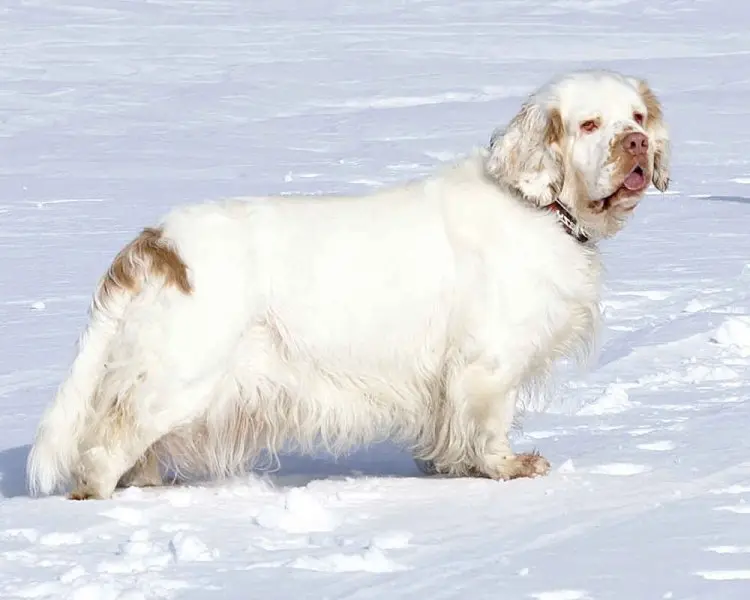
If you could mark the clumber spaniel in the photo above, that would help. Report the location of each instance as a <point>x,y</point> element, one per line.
<point>417,312</point>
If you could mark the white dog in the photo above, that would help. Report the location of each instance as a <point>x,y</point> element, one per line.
<point>416,313</point>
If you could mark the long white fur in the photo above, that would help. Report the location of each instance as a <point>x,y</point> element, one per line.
<point>416,313</point>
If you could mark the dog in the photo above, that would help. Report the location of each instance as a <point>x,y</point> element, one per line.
<point>417,313</point>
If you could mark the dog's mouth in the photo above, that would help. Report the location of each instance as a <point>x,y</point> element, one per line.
<point>635,181</point>
<point>632,185</point>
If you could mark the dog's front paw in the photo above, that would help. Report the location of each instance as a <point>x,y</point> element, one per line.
<point>531,464</point>
<point>515,466</point>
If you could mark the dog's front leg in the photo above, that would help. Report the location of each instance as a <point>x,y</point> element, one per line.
<point>483,401</point>
<point>496,458</point>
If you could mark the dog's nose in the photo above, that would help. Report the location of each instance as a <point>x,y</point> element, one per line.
<point>635,143</point>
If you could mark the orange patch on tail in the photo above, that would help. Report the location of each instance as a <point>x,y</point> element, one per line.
<point>147,255</point>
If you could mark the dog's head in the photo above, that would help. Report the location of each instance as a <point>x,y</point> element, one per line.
<point>593,140</point>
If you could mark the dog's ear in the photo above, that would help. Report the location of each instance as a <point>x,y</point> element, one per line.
<point>527,154</point>
<point>657,131</point>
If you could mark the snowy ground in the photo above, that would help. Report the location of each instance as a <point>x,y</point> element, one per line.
<point>112,111</point>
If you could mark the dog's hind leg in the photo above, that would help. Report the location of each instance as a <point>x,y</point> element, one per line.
<point>146,472</point>
<point>118,443</point>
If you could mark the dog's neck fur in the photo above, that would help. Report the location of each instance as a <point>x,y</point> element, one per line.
<point>565,216</point>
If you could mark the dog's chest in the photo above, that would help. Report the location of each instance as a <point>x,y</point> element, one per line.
<point>568,304</point>
<point>547,295</point>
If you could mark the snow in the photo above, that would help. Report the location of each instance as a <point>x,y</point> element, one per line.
<point>735,333</point>
<point>301,512</point>
<point>113,112</point>
<point>614,400</point>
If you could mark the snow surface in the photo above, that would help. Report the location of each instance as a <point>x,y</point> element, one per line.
<point>113,111</point>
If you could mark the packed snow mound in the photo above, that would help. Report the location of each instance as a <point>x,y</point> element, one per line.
<point>735,333</point>
<point>614,400</point>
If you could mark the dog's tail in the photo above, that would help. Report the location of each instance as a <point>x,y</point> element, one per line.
<point>148,258</point>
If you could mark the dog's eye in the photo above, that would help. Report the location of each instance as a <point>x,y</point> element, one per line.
<point>638,118</point>
<point>589,126</point>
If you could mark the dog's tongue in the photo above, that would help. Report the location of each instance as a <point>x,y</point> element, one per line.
<point>635,180</point>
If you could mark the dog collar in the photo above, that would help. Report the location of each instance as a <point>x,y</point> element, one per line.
<point>568,222</point>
